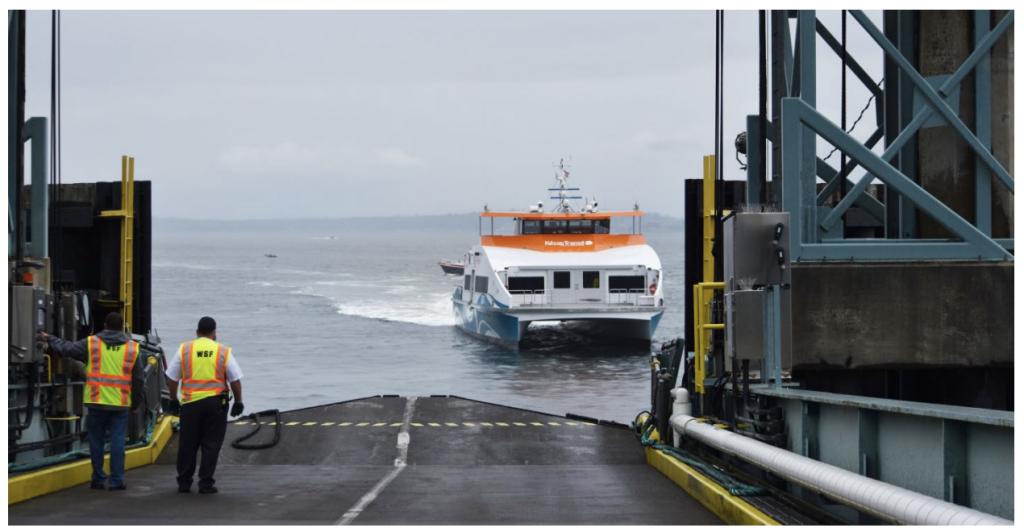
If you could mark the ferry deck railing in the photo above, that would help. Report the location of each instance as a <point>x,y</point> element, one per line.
<point>531,298</point>
<point>545,298</point>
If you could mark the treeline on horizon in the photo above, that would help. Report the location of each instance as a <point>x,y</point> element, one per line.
<point>467,222</point>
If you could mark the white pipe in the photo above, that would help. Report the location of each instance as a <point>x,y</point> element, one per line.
<point>870,496</point>
<point>680,405</point>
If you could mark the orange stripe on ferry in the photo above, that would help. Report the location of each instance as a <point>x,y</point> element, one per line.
<point>563,243</point>
<point>560,215</point>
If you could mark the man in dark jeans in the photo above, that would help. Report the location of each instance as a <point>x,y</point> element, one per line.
<point>114,379</point>
<point>205,370</point>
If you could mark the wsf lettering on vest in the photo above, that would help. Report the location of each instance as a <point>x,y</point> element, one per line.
<point>204,353</point>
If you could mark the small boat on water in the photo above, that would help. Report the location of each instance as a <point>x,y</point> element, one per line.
<point>564,265</point>
<point>452,268</point>
<point>270,255</point>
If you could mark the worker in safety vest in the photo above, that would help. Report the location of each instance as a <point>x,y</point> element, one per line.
<point>114,379</point>
<point>203,370</point>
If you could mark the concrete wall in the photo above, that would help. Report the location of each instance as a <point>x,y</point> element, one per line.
<point>938,314</point>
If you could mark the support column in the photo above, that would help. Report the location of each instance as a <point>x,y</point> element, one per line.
<point>1002,126</point>
<point>945,160</point>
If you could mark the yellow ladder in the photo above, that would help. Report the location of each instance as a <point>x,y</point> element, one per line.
<point>703,292</point>
<point>127,215</point>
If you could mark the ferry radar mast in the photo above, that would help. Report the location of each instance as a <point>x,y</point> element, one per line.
<point>563,197</point>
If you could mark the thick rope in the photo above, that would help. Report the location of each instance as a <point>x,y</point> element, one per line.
<point>733,486</point>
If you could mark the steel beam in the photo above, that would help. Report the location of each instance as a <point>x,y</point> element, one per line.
<point>954,462</point>
<point>798,112</point>
<point>867,442</point>
<point>754,170</point>
<point>832,181</point>
<point>851,63</point>
<point>807,63</point>
<point>983,124</point>
<point>37,243</point>
<point>880,250</point>
<point>934,99</point>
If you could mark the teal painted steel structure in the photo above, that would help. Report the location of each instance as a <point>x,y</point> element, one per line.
<point>14,31</point>
<point>796,125</point>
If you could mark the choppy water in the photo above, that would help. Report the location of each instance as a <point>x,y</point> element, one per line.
<point>335,319</point>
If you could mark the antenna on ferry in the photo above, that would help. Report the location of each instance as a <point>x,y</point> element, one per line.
<point>563,197</point>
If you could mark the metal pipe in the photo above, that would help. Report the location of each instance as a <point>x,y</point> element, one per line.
<point>42,444</point>
<point>885,501</point>
<point>33,383</point>
<point>680,405</point>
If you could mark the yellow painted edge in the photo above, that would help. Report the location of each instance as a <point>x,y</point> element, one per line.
<point>731,509</point>
<point>38,483</point>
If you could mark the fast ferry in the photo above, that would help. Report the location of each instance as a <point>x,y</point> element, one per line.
<point>564,265</point>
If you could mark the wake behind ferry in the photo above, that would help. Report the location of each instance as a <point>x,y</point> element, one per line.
<point>563,265</point>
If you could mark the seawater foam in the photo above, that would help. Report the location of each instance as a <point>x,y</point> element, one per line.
<point>432,310</point>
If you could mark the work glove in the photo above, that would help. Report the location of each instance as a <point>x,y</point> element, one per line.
<point>236,409</point>
<point>174,407</point>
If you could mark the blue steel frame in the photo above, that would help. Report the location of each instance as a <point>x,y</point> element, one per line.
<point>796,135</point>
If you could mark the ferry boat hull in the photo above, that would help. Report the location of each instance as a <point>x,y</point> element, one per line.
<point>486,318</point>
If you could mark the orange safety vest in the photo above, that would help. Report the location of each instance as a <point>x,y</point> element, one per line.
<point>203,369</point>
<point>108,375</point>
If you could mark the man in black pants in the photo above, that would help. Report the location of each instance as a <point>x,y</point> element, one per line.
<point>205,369</point>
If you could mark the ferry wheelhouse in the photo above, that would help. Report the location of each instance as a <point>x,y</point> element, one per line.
<point>563,266</point>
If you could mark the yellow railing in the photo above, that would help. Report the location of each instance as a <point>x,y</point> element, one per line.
<point>127,215</point>
<point>703,292</point>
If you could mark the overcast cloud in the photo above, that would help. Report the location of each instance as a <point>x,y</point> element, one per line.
<point>238,115</point>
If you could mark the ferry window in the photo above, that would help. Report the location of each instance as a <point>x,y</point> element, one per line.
<point>561,279</point>
<point>591,279</point>
<point>581,226</point>
<point>602,227</point>
<point>531,227</point>
<point>553,227</point>
<point>481,284</point>
<point>466,285</point>
<point>626,282</point>
<point>525,284</point>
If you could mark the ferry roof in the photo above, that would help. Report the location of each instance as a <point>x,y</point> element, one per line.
<point>560,215</point>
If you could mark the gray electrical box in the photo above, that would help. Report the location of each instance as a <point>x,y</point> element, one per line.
<point>752,256</point>
<point>753,259</point>
<point>28,315</point>
<point>744,324</point>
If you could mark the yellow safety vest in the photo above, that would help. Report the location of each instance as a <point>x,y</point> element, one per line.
<point>108,375</point>
<point>204,366</point>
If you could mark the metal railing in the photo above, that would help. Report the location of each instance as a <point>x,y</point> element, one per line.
<point>546,298</point>
<point>629,296</point>
<point>531,298</point>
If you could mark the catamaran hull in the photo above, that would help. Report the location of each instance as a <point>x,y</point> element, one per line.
<point>508,326</point>
<point>500,328</point>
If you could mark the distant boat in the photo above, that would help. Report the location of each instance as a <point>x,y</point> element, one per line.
<point>270,256</point>
<point>453,268</point>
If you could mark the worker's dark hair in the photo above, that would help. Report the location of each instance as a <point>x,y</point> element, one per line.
<point>206,325</point>
<point>114,321</point>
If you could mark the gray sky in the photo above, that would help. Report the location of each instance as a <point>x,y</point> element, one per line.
<point>237,115</point>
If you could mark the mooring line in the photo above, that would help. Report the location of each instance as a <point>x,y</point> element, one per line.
<point>403,454</point>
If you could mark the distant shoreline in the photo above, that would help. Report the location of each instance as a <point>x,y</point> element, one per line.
<point>467,222</point>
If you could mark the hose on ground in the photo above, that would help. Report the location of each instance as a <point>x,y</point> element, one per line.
<point>237,442</point>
